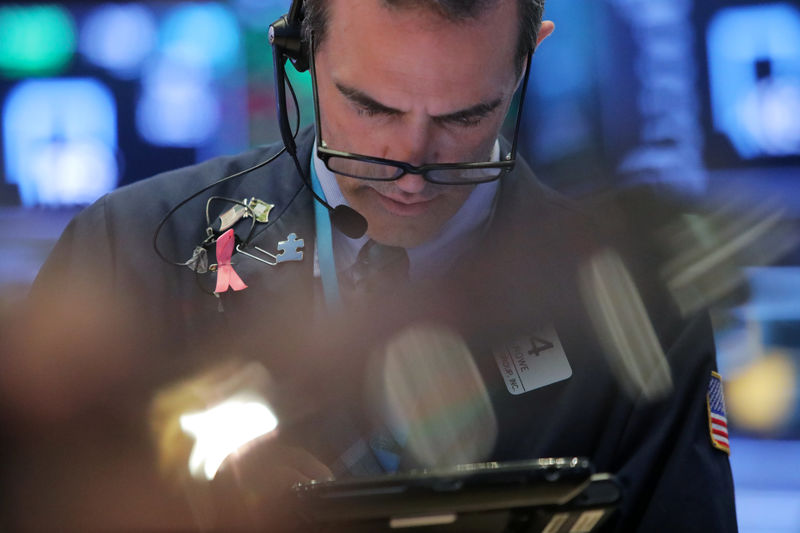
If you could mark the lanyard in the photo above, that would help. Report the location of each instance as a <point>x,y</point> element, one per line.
<point>327,265</point>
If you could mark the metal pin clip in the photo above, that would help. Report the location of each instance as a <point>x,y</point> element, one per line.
<point>271,260</point>
<point>290,250</point>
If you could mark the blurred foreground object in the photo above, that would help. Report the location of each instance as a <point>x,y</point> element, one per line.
<point>700,246</point>
<point>623,327</point>
<point>435,398</point>
<point>695,251</point>
<point>712,248</point>
<point>439,390</point>
<point>220,410</point>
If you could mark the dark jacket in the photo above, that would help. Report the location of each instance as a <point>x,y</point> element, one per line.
<point>673,479</point>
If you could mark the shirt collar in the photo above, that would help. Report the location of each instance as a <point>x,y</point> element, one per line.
<point>434,257</point>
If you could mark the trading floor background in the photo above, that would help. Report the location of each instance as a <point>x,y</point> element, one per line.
<point>702,95</point>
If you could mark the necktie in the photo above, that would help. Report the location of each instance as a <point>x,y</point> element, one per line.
<point>377,268</point>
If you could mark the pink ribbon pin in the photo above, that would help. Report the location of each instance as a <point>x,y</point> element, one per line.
<point>226,275</point>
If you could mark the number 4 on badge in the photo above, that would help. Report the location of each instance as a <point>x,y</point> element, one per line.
<point>539,345</point>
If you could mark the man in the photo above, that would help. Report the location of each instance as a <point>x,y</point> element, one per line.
<point>419,83</point>
<point>394,99</point>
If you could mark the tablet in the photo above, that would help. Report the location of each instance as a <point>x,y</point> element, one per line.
<point>489,496</point>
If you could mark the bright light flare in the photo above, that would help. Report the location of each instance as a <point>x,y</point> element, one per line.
<point>222,430</point>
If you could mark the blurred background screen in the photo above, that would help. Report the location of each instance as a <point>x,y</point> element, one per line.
<point>695,94</point>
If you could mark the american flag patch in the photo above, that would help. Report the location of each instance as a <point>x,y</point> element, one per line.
<point>717,418</point>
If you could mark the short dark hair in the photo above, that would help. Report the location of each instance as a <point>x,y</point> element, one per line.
<point>530,14</point>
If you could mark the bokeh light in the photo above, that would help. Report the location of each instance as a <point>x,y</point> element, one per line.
<point>763,397</point>
<point>35,40</point>
<point>201,35</point>
<point>177,106</point>
<point>754,77</point>
<point>118,37</point>
<point>60,139</point>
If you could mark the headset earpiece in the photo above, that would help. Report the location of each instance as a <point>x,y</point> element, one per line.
<point>286,37</point>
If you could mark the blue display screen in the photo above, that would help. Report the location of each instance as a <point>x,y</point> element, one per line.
<point>624,90</point>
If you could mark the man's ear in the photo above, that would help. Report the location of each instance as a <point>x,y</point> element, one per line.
<point>545,30</point>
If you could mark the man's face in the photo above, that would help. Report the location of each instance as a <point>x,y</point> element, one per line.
<point>405,84</point>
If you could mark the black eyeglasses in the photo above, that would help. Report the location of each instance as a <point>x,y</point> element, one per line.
<point>372,168</point>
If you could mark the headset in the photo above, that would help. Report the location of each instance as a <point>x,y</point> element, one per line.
<point>286,40</point>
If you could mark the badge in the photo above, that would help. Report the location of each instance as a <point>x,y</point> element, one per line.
<point>260,209</point>
<point>717,416</point>
<point>533,361</point>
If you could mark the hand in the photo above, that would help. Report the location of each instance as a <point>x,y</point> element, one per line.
<point>254,485</point>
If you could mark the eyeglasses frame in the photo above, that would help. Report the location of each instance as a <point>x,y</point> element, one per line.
<point>505,164</point>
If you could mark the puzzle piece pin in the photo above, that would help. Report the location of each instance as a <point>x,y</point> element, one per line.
<point>290,249</point>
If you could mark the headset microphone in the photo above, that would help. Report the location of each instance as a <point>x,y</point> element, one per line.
<point>348,220</point>
<point>285,36</point>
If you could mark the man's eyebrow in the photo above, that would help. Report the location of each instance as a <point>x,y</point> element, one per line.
<point>365,101</point>
<point>476,111</point>
<point>470,113</point>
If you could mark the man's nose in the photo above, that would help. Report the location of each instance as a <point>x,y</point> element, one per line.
<point>415,146</point>
<point>411,183</point>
